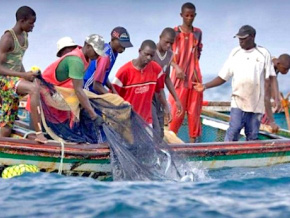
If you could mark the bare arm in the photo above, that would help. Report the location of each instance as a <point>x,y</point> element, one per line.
<point>179,72</point>
<point>268,108</point>
<point>275,94</point>
<point>215,82</point>
<point>83,98</point>
<point>267,100</point>
<point>109,85</point>
<point>6,45</point>
<point>162,98</point>
<point>164,103</point>
<point>98,87</point>
<point>171,89</point>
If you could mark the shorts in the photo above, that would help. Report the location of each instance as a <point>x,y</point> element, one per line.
<point>10,100</point>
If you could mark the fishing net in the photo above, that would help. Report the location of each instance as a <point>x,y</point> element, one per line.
<point>137,152</point>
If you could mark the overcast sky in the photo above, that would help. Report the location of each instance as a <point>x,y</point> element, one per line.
<point>219,20</point>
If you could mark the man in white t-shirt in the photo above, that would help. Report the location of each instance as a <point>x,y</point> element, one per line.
<point>249,65</point>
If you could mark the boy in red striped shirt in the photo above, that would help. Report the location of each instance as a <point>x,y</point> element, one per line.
<point>187,49</point>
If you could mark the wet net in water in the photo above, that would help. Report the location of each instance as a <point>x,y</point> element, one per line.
<point>137,152</point>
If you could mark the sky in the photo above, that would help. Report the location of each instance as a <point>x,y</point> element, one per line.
<point>219,21</point>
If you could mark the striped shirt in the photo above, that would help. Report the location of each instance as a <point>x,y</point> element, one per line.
<point>187,50</point>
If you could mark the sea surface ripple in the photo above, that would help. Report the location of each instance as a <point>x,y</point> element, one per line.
<point>231,192</point>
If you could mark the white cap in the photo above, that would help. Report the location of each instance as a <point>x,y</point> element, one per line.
<point>64,42</point>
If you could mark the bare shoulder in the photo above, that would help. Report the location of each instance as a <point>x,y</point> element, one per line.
<point>6,42</point>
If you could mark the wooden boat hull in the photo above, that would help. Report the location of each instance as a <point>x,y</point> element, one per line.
<point>238,154</point>
<point>77,160</point>
<point>94,160</point>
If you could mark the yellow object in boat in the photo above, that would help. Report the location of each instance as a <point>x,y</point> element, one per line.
<point>18,170</point>
<point>35,69</point>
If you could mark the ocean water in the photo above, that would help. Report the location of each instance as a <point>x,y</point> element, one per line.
<point>231,192</point>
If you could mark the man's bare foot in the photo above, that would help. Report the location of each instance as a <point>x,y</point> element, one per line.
<point>5,131</point>
<point>40,138</point>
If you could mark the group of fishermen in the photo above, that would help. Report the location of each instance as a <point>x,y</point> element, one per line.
<point>141,82</point>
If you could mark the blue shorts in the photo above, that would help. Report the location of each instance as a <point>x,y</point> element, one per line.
<point>240,119</point>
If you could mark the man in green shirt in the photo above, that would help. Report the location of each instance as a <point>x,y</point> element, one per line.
<point>68,72</point>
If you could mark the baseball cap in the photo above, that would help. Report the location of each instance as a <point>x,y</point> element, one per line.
<point>122,34</point>
<point>245,31</point>
<point>97,42</point>
<point>63,43</point>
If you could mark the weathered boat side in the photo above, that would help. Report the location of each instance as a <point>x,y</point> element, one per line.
<point>237,154</point>
<point>78,160</point>
<point>94,160</point>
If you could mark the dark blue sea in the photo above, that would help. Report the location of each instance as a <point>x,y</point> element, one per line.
<point>239,192</point>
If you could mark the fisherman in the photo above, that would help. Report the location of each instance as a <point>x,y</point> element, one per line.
<point>249,65</point>
<point>163,56</point>
<point>14,81</point>
<point>68,72</point>
<point>187,49</point>
<point>281,65</point>
<point>65,45</point>
<point>138,80</point>
<point>97,75</point>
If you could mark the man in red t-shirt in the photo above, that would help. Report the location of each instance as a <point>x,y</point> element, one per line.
<point>139,79</point>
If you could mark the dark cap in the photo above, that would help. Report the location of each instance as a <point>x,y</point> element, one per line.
<point>122,34</point>
<point>245,31</point>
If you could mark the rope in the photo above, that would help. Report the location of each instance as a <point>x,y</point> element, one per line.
<point>60,168</point>
<point>61,158</point>
<point>28,133</point>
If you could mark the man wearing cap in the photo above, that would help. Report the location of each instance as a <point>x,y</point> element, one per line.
<point>96,76</point>
<point>65,45</point>
<point>68,71</point>
<point>249,65</point>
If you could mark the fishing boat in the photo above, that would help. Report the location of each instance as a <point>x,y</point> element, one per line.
<point>93,160</point>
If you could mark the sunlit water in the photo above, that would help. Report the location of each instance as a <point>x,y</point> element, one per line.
<point>239,192</point>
